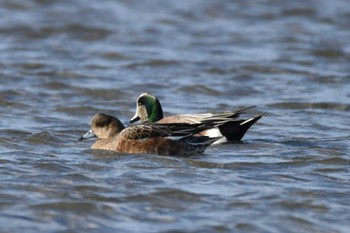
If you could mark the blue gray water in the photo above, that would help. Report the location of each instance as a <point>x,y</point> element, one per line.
<point>63,61</point>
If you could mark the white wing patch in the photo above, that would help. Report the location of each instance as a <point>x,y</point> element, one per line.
<point>212,133</point>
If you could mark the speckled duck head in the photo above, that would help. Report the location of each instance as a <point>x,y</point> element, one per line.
<point>103,126</point>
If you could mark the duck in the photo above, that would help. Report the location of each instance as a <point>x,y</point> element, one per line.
<point>149,138</point>
<point>149,109</point>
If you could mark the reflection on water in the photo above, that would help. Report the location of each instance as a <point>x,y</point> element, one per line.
<point>62,62</point>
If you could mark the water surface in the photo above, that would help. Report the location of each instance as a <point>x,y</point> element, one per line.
<point>62,62</point>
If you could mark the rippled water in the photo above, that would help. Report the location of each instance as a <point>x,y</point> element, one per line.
<point>63,61</point>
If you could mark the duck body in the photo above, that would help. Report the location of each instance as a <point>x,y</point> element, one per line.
<point>162,139</point>
<point>149,109</point>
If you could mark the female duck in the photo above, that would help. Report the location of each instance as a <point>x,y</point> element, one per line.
<point>147,138</point>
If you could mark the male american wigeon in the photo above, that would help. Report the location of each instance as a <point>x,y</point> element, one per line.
<point>162,139</point>
<point>149,109</point>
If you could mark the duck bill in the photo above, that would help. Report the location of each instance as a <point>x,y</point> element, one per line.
<point>135,118</point>
<point>140,114</point>
<point>88,135</point>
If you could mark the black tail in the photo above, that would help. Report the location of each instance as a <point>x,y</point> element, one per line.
<point>235,130</point>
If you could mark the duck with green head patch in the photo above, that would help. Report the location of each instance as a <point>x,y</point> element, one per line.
<point>149,109</point>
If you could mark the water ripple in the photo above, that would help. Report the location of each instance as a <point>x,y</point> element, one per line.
<point>61,62</point>
<point>298,105</point>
